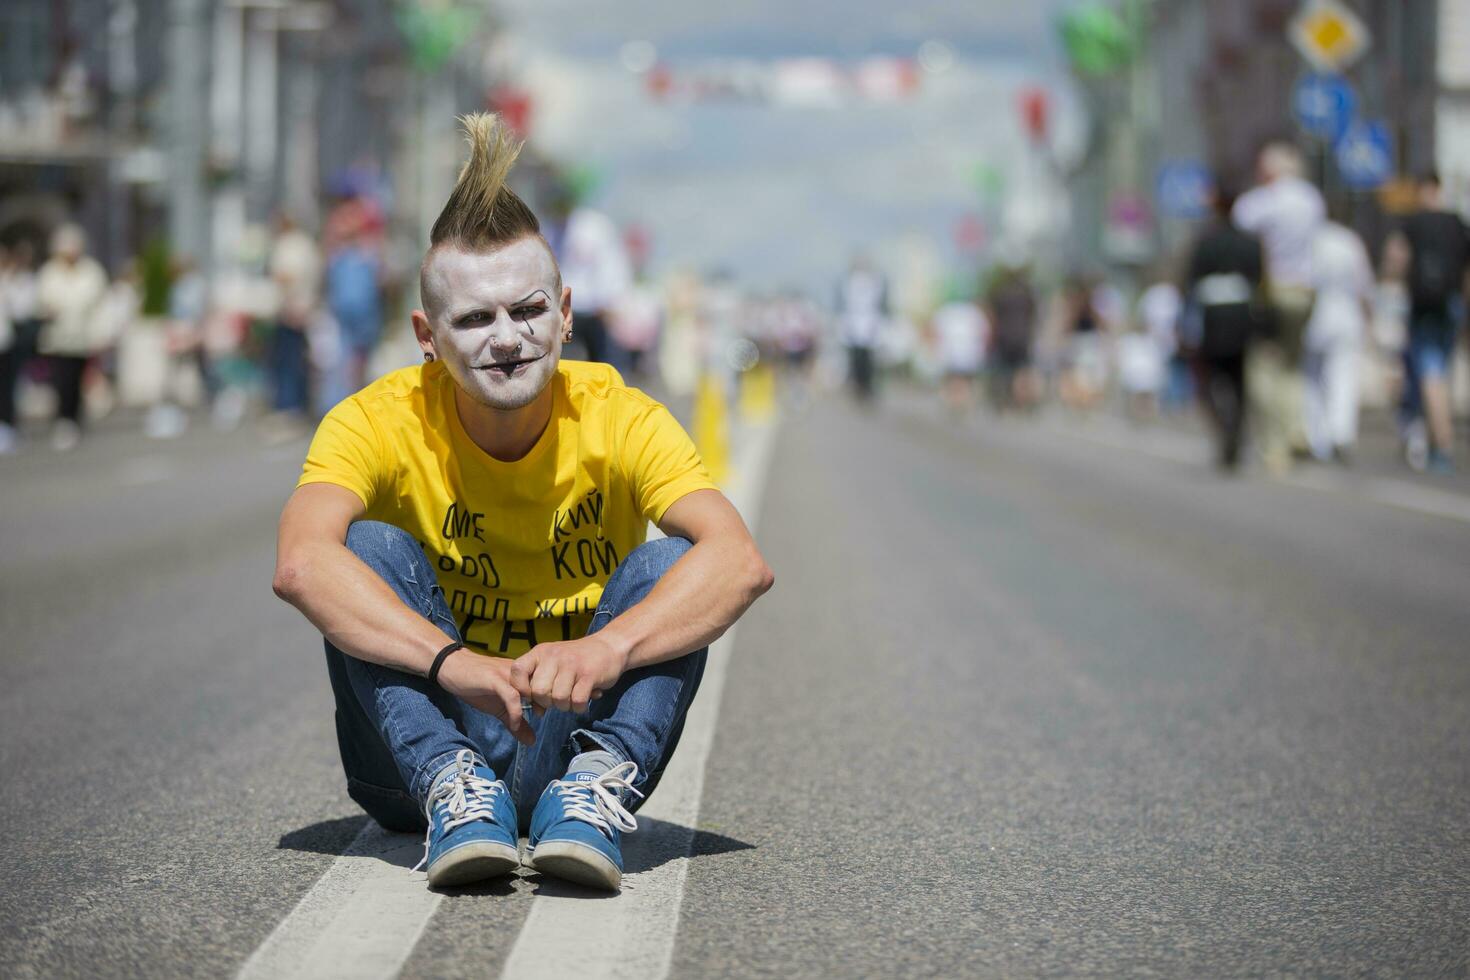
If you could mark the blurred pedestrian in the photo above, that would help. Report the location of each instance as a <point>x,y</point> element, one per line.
<point>296,268</point>
<point>1432,251</point>
<point>1224,295</point>
<point>7,372</point>
<point>1159,309</point>
<point>188,308</point>
<point>596,265</point>
<point>862,313</point>
<point>797,328</point>
<point>1084,372</point>
<point>962,333</point>
<point>680,351</point>
<point>70,290</point>
<point>1286,212</point>
<point>1142,371</point>
<point>20,305</point>
<point>112,373</point>
<point>636,323</point>
<point>184,368</point>
<point>354,298</point>
<point>329,360</point>
<point>1334,341</point>
<point>1010,305</point>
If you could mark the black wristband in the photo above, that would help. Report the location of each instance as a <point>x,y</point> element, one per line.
<point>439,660</point>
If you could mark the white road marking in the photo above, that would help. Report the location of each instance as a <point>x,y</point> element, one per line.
<point>140,471</point>
<point>363,917</point>
<point>1179,448</point>
<point>1393,493</point>
<point>360,920</point>
<point>632,935</point>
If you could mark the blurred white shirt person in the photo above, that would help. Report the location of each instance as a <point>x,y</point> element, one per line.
<point>961,333</point>
<point>1285,211</point>
<point>862,315</point>
<point>595,264</point>
<point>636,320</point>
<point>69,293</point>
<point>1343,277</point>
<point>1159,308</point>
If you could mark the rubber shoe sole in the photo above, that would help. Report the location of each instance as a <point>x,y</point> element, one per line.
<point>577,863</point>
<point>473,862</point>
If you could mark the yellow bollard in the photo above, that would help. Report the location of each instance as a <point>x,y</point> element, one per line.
<point>711,427</point>
<point>758,394</point>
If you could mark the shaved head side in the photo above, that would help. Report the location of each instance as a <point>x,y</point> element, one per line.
<point>482,213</point>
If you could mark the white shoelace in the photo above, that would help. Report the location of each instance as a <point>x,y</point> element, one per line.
<point>597,801</point>
<point>467,796</point>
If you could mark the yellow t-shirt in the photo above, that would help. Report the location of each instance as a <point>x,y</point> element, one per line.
<point>521,549</point>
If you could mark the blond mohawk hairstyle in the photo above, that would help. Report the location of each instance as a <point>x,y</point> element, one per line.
<point>482,212</point>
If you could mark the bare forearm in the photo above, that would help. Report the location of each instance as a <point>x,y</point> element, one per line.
<point>699,598</point>
<point>356,610</point>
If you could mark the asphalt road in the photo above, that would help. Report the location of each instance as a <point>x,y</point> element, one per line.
<point>1020,704</point>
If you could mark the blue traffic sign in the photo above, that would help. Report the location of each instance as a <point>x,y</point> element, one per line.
<point>1365,155</point>
<point>1324,105</point>
<point>1183,189</point>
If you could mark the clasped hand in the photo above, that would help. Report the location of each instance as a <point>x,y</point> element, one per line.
<point>567,675</point>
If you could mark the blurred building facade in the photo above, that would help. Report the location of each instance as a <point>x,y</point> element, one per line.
<point>1452,112</point>
<point>1201,84</point>
<point>1239,93</point>
<point>79,91</point>
<point>193,122</point>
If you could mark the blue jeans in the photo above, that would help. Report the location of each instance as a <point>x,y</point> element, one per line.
<point>288,369</point>
<point>1429,354</point>
<point>1432,336</point>
<point>396,730</point>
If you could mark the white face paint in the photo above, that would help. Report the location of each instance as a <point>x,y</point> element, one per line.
<point>496,320</point>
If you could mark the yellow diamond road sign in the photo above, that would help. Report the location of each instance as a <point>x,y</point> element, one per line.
<point>1329,34</point>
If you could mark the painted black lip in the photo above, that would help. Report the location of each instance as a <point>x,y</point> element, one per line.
<point>502,365</point>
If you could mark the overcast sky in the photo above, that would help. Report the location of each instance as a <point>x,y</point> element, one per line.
<point>782,195</point>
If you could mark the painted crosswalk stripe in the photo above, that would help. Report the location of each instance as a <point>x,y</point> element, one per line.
<point>360,920</point>
<point>632,935</point>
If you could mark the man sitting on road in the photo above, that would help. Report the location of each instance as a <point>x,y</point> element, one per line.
<point>498,497</point>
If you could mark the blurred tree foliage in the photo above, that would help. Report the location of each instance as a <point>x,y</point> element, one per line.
<point>435,31</point>
<point>155,278</point>
<point>1097,40</point>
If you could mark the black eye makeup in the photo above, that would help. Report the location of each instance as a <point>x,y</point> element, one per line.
<point>523,310</point>
<point>532,307</point>
<point>528,312</point>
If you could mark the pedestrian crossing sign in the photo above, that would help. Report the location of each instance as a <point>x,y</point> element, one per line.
<point>1329,34</point>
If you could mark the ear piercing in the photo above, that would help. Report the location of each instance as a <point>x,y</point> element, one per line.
<point>428,356</point>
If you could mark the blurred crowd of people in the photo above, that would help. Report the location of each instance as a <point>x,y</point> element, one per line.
<point>304,326</point>
<point>295,335</point>
<point>1268,321</point>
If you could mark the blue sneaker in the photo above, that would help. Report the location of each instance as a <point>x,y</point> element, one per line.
<point>578,824</point>
<point>1440,462</point>
<point>472,825</point>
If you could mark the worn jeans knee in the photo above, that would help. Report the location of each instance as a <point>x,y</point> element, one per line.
<point>393,727</point>
<point>642,718</point>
